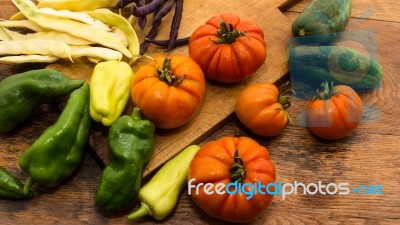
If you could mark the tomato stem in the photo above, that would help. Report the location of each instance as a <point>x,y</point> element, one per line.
<point>227,34</point>
<point>284,100</point>
<point>165,74</point>
<point>327,91</point>
<point>237,170</point>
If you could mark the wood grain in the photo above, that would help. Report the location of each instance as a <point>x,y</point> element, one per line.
<point>219,100</point>
<point>369,156</point>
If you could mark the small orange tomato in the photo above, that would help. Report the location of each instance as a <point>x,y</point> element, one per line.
<point>230,179</point>
<point>169,90</point>
<point>335,112</point>
<point>262,109</point>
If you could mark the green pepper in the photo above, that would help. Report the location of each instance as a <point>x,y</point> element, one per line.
<point>109,90</point>
<point>159,196</point>
<point>21,94</point>
<point>58,152</point>
<point>11,187</point>
<point>131,142</point>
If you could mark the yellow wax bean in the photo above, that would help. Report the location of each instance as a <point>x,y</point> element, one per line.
<point>35,47</point>
<point>17,59</point>
<point>50,35</point>
<point>95,52</point>
<point>77,16</point>
<point>4,36</point>
<point>21,24</point>
<point>72,27</point>
<point>76,5</point>
<point>113,19</point>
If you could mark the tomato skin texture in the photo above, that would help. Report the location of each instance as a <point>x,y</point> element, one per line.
<point>166,105</point>
<point>212,165</point>
<point>228,62</point>
<point>258,109</point>
<point>336,117</point>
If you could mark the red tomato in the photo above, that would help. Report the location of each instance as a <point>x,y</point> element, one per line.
<point>217,164</point>
<point>334,113</point>
<point>227,48</point>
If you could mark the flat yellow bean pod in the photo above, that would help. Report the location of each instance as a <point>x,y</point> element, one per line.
<point>50,35</point>
<point>120,22</point>
<point>95,52</point>
<point>35,47</point>
<point>76,5</point>
<point>77,16</point>
<point>72,27</point>
<point>21,24</point>
<point>4,36</point>
<point>18,59</point>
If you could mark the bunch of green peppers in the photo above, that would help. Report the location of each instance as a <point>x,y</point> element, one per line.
<point>131,142</point>
<point>57,153</point>
<point>11,187</point>
<point>21,94</point>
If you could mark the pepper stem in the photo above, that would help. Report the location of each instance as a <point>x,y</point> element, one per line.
<point>302,32</point>
<point>136,113</point>
<point>27,186</point>
<point>227,34</point>
<point>165,74</point>
<point>143,210</point>
<point>238,172</point>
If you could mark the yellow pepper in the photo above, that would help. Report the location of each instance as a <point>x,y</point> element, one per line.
<point>109,90</point>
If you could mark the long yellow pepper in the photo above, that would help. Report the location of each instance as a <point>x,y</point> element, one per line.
<point>109,90</point>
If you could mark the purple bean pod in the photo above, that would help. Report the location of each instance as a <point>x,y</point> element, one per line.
<point>176,21</point>
<point>147,9</point>
<point>164,43</point>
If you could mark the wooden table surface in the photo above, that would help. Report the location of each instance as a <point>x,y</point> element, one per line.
<point>370,156</point>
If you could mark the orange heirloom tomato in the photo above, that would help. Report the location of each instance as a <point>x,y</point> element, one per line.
<point>335,112</point>
<point>169,90</point>
<point>262,109</point>
<point>228,161</point>
<point>227,48</point>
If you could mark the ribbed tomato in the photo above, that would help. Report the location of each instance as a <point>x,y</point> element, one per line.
<point>227,48</point>
<point>262,109</point>
<point>169,90</point>
<point>335,113</point>
<point>229,161</point>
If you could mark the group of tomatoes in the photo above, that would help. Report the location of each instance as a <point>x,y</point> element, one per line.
<point>226,49</point>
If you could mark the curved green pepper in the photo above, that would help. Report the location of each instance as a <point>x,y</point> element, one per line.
<point>322,20</point>
<point>11,187</point>
<point>21,94</point>
<point>131,142</point>
<point>109,90</point>
<point>56,154</point>
<point>159,196</point>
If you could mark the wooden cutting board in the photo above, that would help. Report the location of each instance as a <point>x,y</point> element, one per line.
<point>219,100</point>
